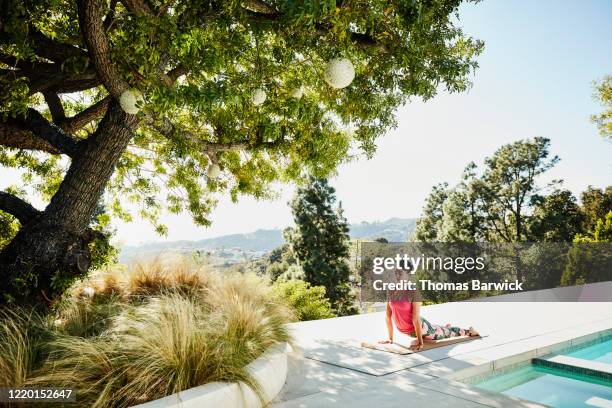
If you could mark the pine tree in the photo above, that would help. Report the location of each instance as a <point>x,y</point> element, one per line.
<point>320,242</point>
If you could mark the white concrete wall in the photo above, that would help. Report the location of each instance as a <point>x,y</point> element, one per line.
<point>269,370</point>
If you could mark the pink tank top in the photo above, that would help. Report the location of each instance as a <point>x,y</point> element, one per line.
<point>401,311</point>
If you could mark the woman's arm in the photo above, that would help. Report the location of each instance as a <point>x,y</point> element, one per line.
<point>416,322</point>
<point>389,320</point>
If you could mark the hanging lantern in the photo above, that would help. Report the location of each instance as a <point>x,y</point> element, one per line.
<point>89,291</point>
<point>213,171</point>
<point>129,100</point>
<point>298,92</point>
<point>339,73</point>
<point>259,97</point>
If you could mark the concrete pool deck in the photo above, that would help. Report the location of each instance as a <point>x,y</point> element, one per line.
<point>330,369</point>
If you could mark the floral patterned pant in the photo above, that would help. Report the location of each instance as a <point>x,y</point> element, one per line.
<point>436,332</point>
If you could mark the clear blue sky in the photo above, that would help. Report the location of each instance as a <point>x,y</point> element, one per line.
<point>535,79</point>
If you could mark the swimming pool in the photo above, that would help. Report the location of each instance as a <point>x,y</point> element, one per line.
<point>542,386</point>
<point>557,387</point>
<point>601,352</point>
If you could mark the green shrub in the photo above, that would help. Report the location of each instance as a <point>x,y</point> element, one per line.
<point>308,302</point>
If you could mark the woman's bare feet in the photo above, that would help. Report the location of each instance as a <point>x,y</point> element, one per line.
<point>472,332</point>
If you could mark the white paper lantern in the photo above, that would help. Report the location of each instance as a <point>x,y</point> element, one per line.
<point>339,73</point>
<point>298,92</point>
<point>129,99</point>
<point>259,97</point>
<point>213,171</point>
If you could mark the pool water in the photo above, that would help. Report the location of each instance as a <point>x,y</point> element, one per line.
<point>601,352</point>
<point>545,386</point>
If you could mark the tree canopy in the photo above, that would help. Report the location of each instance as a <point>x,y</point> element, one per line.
<point>168,104</point>
<point>485,205</point>
<point>603,94</point>
<point>197,65</point>
<point>495,203</point>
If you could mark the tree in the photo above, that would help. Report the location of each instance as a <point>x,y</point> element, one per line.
<point>603,94</point>
<point>428,224</point>
<point>281,260</point>
<point>462,219</point>
<point>596,203</point>
<point>590,259</point>
<point>601,233</point>
<point>320,242</point>
<point>171,103</point>
<point>494,206</point>
<point>509,183</point>
<point>556,218</point>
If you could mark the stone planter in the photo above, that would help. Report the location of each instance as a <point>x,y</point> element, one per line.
<point>269,370</point>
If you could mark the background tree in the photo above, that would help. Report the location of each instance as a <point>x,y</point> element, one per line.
<point>596,203</point>
<point>428,224</point>
<point>603,94</point>
<point>279,261</point>
<point>556,217</point>
<point>320,242</point>
<point>462,219</point>
<point>590,259</point>
<point>601,233</point>
<point>493,206</point>
<point>509,183</point>
<point>168,104</point>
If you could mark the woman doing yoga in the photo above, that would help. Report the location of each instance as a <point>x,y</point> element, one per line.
<point>406,315</point>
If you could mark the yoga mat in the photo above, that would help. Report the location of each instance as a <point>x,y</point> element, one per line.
<point>403,349</point>
<point>349,353</point>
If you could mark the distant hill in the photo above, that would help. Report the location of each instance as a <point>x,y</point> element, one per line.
<point>261,241</point>
<point>394,229</point>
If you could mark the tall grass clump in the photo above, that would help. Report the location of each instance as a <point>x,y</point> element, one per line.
<point>140,334</point>
<point>23,337</point>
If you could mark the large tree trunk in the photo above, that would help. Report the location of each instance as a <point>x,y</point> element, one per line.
<point>52,249</point>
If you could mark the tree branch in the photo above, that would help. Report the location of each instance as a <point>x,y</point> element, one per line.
<point>18,208</point>
<point>110,16</point>
<point>168,130</point>
<point>176,72</point>
<point>364,41</point>
<point>53,50</point>
<point>46,76</point>
<point>86,116</point>
<point>55,106</point>
<point>53,139</point>
<point>75,83</point>
<point>259,6</point>
<point>15,136</point>
<point>53,135</point>
<point>90,20</point>
<point>138,7</point>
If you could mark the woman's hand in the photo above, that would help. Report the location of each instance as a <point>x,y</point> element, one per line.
<point>385,341</point>
<point>416,345</point>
